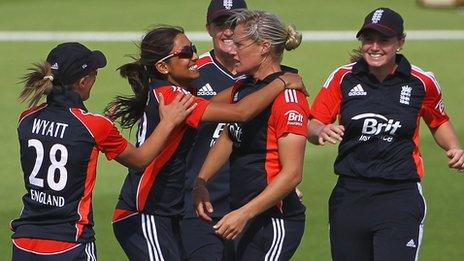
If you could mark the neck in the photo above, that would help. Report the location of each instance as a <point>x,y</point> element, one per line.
<point>225,60</point>
<point>268,66</point>
<point>382,72</point>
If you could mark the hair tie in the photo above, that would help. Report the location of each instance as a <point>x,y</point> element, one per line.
<point>49,77</point>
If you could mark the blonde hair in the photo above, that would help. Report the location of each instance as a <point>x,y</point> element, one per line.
<point>37,82</point>
<point>265,26</point>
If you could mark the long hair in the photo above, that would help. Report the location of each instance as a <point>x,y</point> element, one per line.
<point>37,83</point>
<point>156,44</point>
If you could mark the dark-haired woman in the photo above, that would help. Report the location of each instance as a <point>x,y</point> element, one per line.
<point>377,210</point>
<point>59,145</point>
<point>146,219</point>
<point>266,153</point>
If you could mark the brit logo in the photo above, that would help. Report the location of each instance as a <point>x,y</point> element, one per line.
<point>294,118</point>
<point>228,4</point>
<point>206,90</point>
<point>405,96</point>
<point>377,125</point>
<point>357,91</point>
<point>377,16</point>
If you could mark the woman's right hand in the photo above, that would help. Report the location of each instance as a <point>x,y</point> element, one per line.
<point>331,133</point>
<point>294,81</point>
<point>201,201</point>
<point>176,111</point>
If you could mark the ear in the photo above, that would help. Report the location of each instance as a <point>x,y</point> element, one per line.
<point>401,43</point>
<point>265,47</point>
<point>208,29</point>
<point>162,67</point>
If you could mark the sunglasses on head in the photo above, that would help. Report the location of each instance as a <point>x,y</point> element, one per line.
<point>186,52</point>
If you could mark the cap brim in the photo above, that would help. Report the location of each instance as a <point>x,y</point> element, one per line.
<point>379,28</point>
<point>223,12</point>
<point>97,60</point>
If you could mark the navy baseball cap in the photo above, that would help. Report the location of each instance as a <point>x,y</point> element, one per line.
<point>72,61</point>
<point>219,8</point>
<point>383,20</point>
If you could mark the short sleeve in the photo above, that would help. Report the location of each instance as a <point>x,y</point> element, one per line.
<point>170,92</point>
<point>433,109</point>
<point>290,113</point>
<point>113,143</point>
<point>326,105</point>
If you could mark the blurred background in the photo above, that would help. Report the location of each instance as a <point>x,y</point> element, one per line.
<point>443,188</point>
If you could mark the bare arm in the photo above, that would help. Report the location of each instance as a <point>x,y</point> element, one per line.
<point>319,132</point>
<point>445,136</point>
<point>171,115</point>
<point>291,152</point>
<point>217,156</point>
<point>250,106</point>
<point>223,97</point>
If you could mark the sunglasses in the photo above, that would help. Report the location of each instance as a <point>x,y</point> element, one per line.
<point>186,52</point>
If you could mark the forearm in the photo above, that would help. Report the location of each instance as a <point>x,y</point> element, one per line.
<point>217,157</point>
<point>314,128</point>
<point>223,96</point>
<point>445,136</point>
<point>284,183</point>
<point>140,158</point>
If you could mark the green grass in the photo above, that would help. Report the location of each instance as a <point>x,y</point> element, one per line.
<point>444,229</point>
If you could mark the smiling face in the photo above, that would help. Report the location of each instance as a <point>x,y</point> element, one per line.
<point>221,35</point>
<point>247,54</point>
<point>379,51</point>
<point>179,69</point>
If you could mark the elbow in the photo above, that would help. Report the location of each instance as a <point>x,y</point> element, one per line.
<point>296,177</point>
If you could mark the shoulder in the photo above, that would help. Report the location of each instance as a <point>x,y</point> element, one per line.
<point>204,59</point>
<point>93,122</point>
<point>31,111</point>
<point>291,98</point>
<point>427,79</point>
<point>337,75</point>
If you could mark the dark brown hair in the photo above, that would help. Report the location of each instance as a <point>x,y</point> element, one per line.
<point>156,44</point>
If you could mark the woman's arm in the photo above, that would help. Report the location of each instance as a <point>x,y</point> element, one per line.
<point>223,96</point>
<point>445,136</point>
<point>171,115</point>
<point>291,152</point>
<point>250,106</point>
<point>319,132</point>
<point>217,157</point>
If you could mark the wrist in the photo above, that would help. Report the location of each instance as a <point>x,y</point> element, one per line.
<point>198,183</point>
<point>166,124</point>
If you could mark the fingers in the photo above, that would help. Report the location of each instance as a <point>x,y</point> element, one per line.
<point>456,159</point>
<point>209,207</point>
<point>200,209</point>
<point>331,133</point>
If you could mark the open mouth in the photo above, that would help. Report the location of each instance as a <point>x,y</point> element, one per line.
<point>193,67</point>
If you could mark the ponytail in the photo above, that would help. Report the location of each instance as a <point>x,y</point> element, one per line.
<point>155,45</point>
<point>130,108</point>
<point>37,82</point>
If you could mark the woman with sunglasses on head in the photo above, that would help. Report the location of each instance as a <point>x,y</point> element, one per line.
<point>146,219</point>
<point>377,210</point>
<point>59,145</point>
<point>266,153</point>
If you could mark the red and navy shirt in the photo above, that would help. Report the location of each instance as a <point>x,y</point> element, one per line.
<point>59,145</point>
<point>381,120</point>
<point>159,189</point>
<point>213,79</point>
<point>255,158</point>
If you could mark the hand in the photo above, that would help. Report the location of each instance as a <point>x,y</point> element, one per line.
<point>176,112</point>
<point>201,201</point>
<point>110,111</point>
<point>294,81</point>
<point>456,157</point>
<point>331,133</point>
<point>231,225</point>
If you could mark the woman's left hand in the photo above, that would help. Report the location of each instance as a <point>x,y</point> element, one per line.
<point>232,224</point>
<point>456,157</point>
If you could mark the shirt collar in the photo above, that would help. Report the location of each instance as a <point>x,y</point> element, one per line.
<point>67,99</point>
<point>273,76</point>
